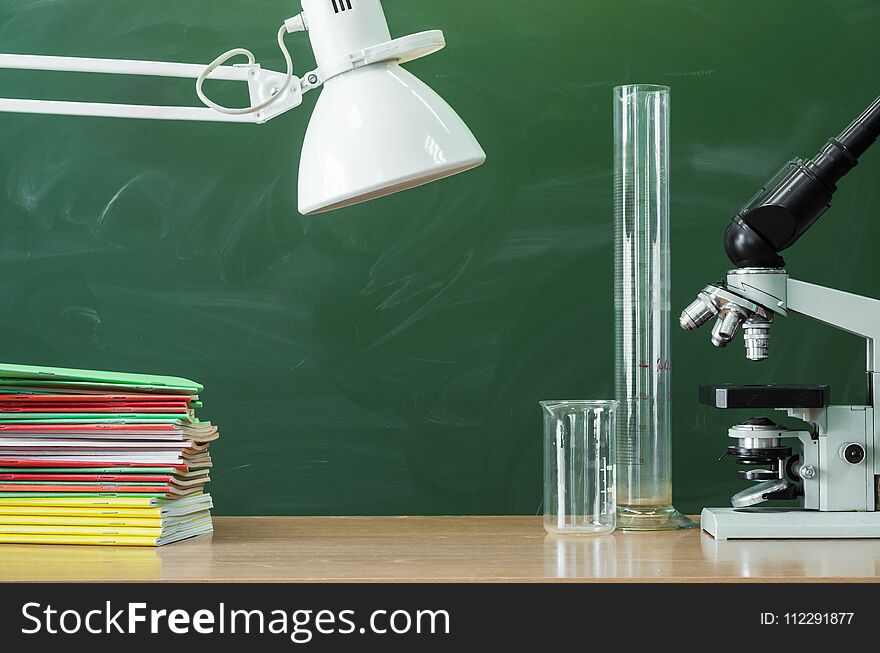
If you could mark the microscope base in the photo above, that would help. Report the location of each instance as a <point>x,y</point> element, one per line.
<point>783,524</point>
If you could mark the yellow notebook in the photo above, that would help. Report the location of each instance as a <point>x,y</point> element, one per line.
<point>92,540</point>
<point>35,529</point>
<point>62,511</point>
<point>133,506</point>
<point>155,529</point>
<point>200,527</point>
<point>77,520</point>
<point>99,521</point>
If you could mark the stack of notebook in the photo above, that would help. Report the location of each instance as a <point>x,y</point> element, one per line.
<point>91,457</point>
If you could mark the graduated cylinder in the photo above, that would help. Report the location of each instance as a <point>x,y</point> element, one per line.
<point>642,305</point>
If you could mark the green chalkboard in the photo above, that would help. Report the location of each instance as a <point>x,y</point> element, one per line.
<point>389,358</point>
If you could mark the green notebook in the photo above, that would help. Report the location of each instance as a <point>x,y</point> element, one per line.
<point>121,379</point>
<point>76,389</point>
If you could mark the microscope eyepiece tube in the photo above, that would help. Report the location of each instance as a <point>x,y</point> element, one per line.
<point>797,196</point>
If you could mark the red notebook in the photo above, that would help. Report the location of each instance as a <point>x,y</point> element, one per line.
<point>88,478</point>
<point>16,398</point>
<point>89,489</point>
<point>24,463</point>
<point>74,428</point>
<point>94,408</point>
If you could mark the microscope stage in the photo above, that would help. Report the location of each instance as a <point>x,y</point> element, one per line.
<point>765,396</point>
<point>783,524</point>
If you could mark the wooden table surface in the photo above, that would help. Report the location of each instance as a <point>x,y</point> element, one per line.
<point>441,549</point>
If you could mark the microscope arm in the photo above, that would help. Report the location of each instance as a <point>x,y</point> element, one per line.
<point>852,313</point>
<point>777,293</point>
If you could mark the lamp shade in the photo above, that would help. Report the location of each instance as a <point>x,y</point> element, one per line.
<point>378,130</point>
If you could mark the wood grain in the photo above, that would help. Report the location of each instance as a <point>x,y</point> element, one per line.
<point>442,549</point>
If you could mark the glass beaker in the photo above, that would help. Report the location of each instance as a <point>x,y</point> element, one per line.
<point>579,480</point>
<point>641,302</point>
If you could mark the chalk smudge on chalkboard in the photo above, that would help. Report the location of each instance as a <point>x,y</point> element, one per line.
<point>750,162</point>
<point>433,302</point>
<point>690,73</point>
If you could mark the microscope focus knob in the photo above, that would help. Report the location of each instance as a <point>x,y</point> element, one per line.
<point>807,472</point>
<point>852,453</point>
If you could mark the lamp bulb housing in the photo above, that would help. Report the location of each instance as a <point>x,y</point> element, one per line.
<point>376,129</point>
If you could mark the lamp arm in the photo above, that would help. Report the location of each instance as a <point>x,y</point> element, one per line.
<point>295,24</point>
<point>271,93</point>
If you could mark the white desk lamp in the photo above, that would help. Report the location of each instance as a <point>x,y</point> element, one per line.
<point>375,130</point>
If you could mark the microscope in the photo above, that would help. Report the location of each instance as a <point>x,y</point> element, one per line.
<point>829,470</point>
